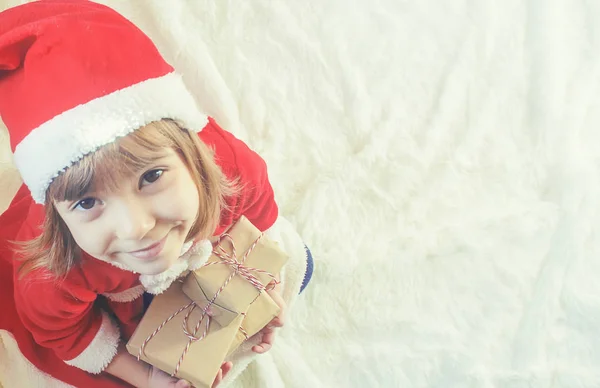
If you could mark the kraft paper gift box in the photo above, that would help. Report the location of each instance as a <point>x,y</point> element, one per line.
<point>257,315</point>
<point>260,312</point>
<point>235,297</point>
<point>204,358</point>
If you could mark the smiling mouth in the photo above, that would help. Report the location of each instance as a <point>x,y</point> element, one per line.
<point>151,251</point>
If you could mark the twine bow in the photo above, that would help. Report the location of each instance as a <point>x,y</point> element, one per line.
<point>231,259</point>
<point>238,269</point>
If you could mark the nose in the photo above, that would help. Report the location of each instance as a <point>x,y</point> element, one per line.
<point>132,219</point>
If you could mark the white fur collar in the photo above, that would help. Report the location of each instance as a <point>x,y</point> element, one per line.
<point>192,258</point>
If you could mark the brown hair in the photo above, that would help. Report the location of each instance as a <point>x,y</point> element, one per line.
<point>56,250</point>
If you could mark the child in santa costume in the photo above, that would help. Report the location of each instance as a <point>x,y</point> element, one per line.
<point>124,178</point>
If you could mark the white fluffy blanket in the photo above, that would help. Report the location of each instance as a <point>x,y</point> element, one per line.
<point>440,158</point>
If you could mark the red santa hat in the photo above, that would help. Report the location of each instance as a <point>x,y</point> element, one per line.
<point>74,76</point>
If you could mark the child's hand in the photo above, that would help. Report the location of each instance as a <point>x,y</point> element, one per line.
<point>225,368</point>
<point>159,379</point>
<point>268,332</point>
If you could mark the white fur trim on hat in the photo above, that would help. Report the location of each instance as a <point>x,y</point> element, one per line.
<point>103,348</point>
<point>66,138</point>
<point>125,296</point>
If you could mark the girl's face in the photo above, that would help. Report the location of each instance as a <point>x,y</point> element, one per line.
<point>142,224</point>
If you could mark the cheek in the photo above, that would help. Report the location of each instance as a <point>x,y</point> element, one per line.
<point>188,204</point>
<point>192,200</point>
<point>90,238</point>
<point>180,203</point>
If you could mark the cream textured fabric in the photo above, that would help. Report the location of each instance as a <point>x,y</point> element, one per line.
<point>441,160</point>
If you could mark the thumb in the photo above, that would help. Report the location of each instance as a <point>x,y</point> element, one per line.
<point>183,384</point>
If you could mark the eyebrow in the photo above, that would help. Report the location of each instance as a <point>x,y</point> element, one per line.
<point>159,158</point>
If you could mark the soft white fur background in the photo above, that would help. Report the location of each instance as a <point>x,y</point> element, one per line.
<point>440,159</point>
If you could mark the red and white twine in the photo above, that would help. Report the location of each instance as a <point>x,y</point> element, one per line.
<point>238,268</point>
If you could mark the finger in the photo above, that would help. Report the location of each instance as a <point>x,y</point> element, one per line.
<point>183,384</point>
<point>267,342</point>
<point>268,337</point>
<point>266,333</point>
<point>262,348</point>
<point>276,322</point>
<point>218,378</point>
<point>226,368</point>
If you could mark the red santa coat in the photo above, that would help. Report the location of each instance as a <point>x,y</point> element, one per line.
<point>60,323</point>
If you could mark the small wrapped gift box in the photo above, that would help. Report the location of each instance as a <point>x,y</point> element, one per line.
<point>191,328</point>
<point>161,340</point>
<point>242,264</point>
<point>259,314</point>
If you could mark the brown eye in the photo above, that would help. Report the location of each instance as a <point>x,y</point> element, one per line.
<point>86,203</point>
<point>151,176</point>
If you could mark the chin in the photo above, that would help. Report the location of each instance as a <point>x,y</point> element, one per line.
<point>157,266</point>
<point>151,271</point>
